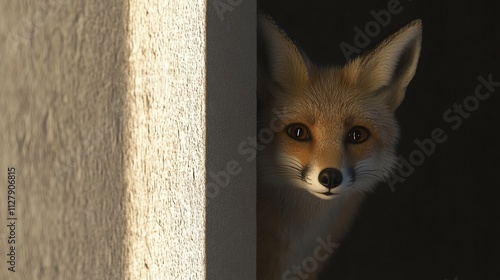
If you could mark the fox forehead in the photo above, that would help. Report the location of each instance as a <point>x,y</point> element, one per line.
<point>333,99</point>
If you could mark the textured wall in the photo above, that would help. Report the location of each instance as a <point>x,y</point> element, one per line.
<point>231,122</point>
<point>166,164</point>
<point>103,118</point>
<point>62,86</point>
<point>113,116</point>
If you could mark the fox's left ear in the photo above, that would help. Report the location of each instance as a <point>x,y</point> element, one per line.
<point>390,67</point>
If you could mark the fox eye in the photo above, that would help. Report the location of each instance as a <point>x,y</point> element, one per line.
<point>358,134</point>
<point>298,132</point>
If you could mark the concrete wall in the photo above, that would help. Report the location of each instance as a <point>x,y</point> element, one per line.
<point>113,115</point>
<point>166,135</point>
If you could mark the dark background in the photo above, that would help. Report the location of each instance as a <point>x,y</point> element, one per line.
<point>443,221</point>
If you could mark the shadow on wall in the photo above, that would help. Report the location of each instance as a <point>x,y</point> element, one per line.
<point>62,106</point>
<point>231,122</point>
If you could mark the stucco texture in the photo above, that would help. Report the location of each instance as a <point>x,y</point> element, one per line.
<point>166,171</point>
<point>102,116</point>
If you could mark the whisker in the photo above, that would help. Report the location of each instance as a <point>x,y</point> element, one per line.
<point>288,167</point>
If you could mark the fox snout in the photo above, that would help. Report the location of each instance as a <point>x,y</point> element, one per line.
<point>330,178</point>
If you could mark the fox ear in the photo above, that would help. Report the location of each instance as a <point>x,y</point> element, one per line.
<point>285,64</point>
<point>390,67</point>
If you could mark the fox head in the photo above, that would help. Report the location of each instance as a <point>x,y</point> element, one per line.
<point>333,129</point>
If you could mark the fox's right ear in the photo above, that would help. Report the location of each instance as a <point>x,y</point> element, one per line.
<point>285,66</point>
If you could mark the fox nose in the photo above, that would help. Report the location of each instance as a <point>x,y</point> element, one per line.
<point>330,177</point>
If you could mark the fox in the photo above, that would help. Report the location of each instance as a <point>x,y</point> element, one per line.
<point>334,138</point>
